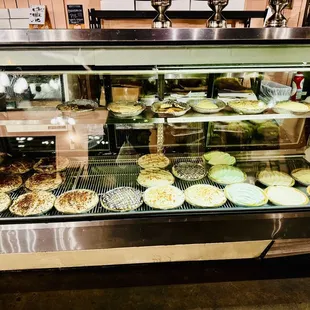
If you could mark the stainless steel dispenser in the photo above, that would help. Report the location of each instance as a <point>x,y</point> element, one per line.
<point>161,20</point>
<point>277,19</point>
<point>217,20</point>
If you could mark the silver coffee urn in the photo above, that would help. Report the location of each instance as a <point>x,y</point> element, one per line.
<point>277,18</point>
<point>161,20</point>
<point>217,20</point>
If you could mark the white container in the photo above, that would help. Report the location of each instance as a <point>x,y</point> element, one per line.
<point>272,92</point>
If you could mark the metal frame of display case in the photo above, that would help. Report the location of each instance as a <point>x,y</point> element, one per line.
<point>152,236</point>
<point>96,16</point>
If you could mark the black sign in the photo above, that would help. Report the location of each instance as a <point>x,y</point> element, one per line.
<point>75,14</point>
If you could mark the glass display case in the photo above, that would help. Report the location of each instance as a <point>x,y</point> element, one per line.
<point>135,146</point>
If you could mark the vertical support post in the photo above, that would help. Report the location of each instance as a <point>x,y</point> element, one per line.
<point>160,138</point>
<point>161,86</point>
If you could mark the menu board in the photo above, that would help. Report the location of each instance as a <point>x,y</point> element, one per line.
<point>37,15</point>
<point>75,14</point>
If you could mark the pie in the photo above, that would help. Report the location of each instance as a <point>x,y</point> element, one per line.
<point>34,203</point>
<point>189,171</point>
<point>273,178</point>
<point>302,175</point>
<point>292,106</point>
<point>122,199</point>
<point>219,158</point>
<point>125,107</point>
<point>164,197</point>
<point>76,201</point>
<point>207,104</point>
<point>286,196</point>
<point>17,166</point>
<point>155,177</point>
<point>248,106</point>
<point>44,181</point>
<point>225,175</point>
<point>10,182</point>
<point>203,195</point>
<point>5,201</point>
<point>246,195</point>
<point>51,164</point>
<point>153,161</point>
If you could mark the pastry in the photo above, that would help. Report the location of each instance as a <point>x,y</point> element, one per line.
<point>225,175</point>
<point>203,195</point>
<point>153,161</point>
<point>10,182</point>
<point>164,197</point>
<point>207,104</point>
<point>78,105</point>
<point>44,181</point>
<point>122,199</point>
<point>291,106</point>
<point>171,107</point>
<point>51,164</point>
<point>246,195</point>
<point>219,158</point>
<point>126,107</point>
<point>155,177</point>
<point>34,203</point>
<point>248,106</point>
<point>5,201</point>
<point>189,171</point>
<point>76,201</point>
<point>286,196</point>
<point>271,178</point>
<point>301,175</point>
<point>17,166</point>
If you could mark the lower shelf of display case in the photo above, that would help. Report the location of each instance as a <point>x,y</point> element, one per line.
<point>102,175</point>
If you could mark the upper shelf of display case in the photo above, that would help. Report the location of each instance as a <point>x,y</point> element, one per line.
<point>138,50</point>
<point>162,37</point>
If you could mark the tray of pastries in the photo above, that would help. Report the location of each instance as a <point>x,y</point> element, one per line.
<point>126,109</point>
<point>122,199</point>
<point>170,108</point>
<point>286,196</point>
<point>248,106</point>
<point>219,158</point>
<point>204,196</point>
<point>225,175</point>
<point>155,177</point>
<point>274,178</point>
<point>164,197</point>
<point>246,195</point>
<point>33,203</point>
